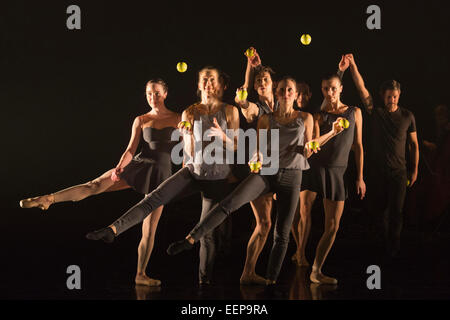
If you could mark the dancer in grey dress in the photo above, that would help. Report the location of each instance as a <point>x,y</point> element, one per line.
<point>143,172</point>
<point>326,176</point>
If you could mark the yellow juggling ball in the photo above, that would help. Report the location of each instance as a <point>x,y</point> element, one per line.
<point>305,39</point>
<point>181,66</point>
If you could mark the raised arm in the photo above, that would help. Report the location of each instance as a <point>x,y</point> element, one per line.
<point>342,66</point>
<point>252,62</point>
<point>127,156</point>
<point>249,109</point>
<point>364,94</point>
<point>359,154</point>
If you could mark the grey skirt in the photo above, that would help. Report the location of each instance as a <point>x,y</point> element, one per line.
<point>327,182</point>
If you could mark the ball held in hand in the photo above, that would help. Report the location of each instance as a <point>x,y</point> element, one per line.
<point>313,145</point>
<point>186,124</point>
<point>344,123</point>
<point>255,166</point>
<point>249,52</point>
<point>242,94</point>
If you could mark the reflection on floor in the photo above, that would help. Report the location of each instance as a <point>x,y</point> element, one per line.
<point>36,255</point>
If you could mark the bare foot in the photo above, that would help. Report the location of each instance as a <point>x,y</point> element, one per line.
<point>253,279</point>
<point>319,277</point>
<point>147,281</point>
<point>42,202</point>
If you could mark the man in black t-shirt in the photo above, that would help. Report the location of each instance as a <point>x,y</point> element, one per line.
<point>391,128</point>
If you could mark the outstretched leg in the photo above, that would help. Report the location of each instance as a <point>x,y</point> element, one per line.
<point>76,193</point>
<point>248,190</point>
<point>145,248</point>
<point>333,214</point>
<point>262,208</point>
<point>172,187</point>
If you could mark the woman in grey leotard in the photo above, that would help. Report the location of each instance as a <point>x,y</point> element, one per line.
<point>295,129</point>
<point>211,117</point>
<point>143,172</point>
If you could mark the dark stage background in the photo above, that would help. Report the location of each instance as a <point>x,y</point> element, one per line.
<point>69,98</point>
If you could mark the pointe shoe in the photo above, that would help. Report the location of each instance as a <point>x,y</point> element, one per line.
<point>253,280</point>
<point>42,202</point>
<point>148,282</point>
<point>317,277</point>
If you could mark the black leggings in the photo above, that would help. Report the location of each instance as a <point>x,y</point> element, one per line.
<point>386,199</point>
<point>285,184</point>
<point>182,182</point>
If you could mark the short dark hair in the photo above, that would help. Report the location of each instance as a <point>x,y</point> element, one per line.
<point>389,85</point>
<point>262,69</point>
<point>329,76</point>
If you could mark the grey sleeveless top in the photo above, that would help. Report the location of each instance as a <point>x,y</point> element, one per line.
<point>336,151</point>
<point>210,165</point>
<point>291,142</point>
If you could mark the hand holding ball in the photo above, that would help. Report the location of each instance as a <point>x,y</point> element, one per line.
<point>249,52</point>
<point>255,166</point>
<point>313,145</point>
<point>242,94</point>
<point>344,123</point>
<point>185,125</point>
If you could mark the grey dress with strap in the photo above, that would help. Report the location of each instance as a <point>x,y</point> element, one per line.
<point>152,165</point>
<point>328,166</point>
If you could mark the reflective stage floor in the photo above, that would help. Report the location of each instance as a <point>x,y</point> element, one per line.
<point>38,248</point>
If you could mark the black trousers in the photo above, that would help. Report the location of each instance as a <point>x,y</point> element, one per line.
<point>285,184</point>
<point>182,182</point>
<point>386,193</point>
